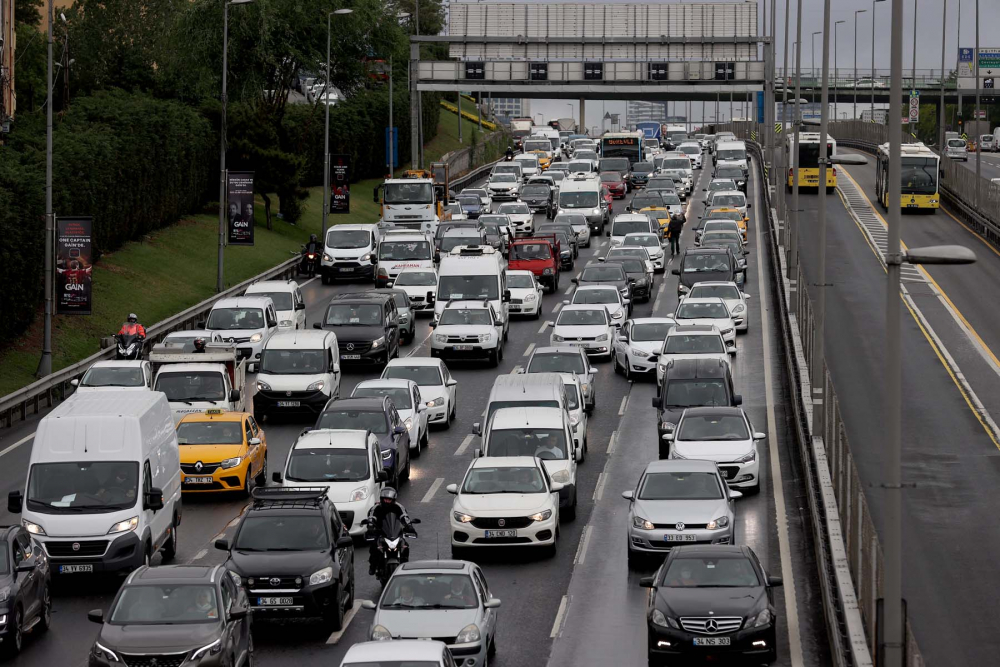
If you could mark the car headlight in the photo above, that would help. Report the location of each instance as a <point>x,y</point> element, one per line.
<point>378,342</point>
<point>763,618</point>
<point>602,337</point>
<point>232,463</point>
<point>641,524</point>
<point>469,633</point>
<point>360,493</point>
<point>637,352</point>
<point>663,621</point>
<point>485,337</point>
<point>105,652</point>
<point>4,594</point>
<point>547,272</point>
<point>263,386</point>
<point>327,258</point>
<point>321,576</point>
<point>617,315</point>
<point>256,338</point>
<point>386,455</point>
<point>403,319</point>
<point>285,323</point>
<point>721,522</point>
<point>530,297</point>
<point>316,386</point>
<point>544,515</point>
<point>662,368</point>
<point>408,423</point>
<point>366,258</point>
<point>211,649</point>
<point>124,526</point>
<point>683,289</point>
<point>739,309</point>
<point>380,633</point>
<point>435,402</point>
<point>440,338</point>
<point>32,528</point>
<point>726,332</point>
<point>747,458</point>
<point>557,338</point>
<point>574,419</point>
<point>561,476</point>
<point>462,518</point>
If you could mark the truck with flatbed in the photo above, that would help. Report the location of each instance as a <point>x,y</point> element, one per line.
<point>198,381</point>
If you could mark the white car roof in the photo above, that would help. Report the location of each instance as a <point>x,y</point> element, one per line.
<point>715,283</point>
<point>631,217</point>
<point>271,286</point>
<point>727,192</point>
<point>417,269</point>
<point>368,227</point>
<point>468,305</point>
<point>305,339</point>
<point>587,306</point>
<point>416,361</point>
<point>520,417</point>
<point>403,235</point>
<point>653,320</point>
<point>506,461</point>
<point>385,383</point>
<point>243,302</point>
<point>118,363</point>
<point>519,272</point>
<point>694,330</point>
<point>594,288</point>
<point>338,438</point>
<point>416,650</point>
<point>702,299</point>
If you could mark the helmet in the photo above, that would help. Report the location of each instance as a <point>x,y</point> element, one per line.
<point>199,343</point>
<point>133,318</point>
<point>387,496</point>
<point>312,238</point>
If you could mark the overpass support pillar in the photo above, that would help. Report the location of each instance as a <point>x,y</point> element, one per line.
<point>415,111</point>
<point>583,117</point>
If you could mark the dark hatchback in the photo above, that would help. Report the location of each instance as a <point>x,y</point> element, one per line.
<point>26,580</point>
<point>706,264</point>
<point>378,415</point>
<point>540,198</point>
<point>635,271</point>
<point>641,171</point>
<point>175,615</point>
<point>471,205</point>
<point>711,601</point>
<point>615,183</point>
<point>733,173</point>
<point>605,274</point>
<point>691,383</point>
<point>293,555</point>
<point>367,328</point>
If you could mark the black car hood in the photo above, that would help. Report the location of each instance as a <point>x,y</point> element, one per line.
<point>690,279</point>
<point>719,601</point>
<point>278,563</point>
<point>355,333</point>
<point>159,638</point>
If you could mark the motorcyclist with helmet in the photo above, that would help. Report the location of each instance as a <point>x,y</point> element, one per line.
<point>132,327</point>
<point>199,345</point>
<point>313,245</point>
<point>510,153</point>
<point>387,505</point>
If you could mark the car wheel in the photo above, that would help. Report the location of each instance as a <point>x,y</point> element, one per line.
<point>45,617</point>
<point>628,370</point>
<point>350,594</point>
<point>335,617</point>
<point>614,363</point>
<point>494,359</point>
<point>492,650</point>
<point>15,641</point>
<point>406,470</point>
<point>634,559</point>
<point>261,479</point>
<point>500,353</point>
<point>553,548</point>
<point>247,489</point>
<point>570,513</point>
<point>249,662</point>
<point>169,550</point>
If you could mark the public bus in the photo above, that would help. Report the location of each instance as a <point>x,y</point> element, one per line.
<point>809,161</point>
<point>919,177</point>
<point>622,144</point>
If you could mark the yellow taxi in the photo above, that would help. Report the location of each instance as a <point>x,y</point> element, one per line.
<point>221,451</point>
<point>543,159</point>
<point>662,215</point>
<point>729,214</point>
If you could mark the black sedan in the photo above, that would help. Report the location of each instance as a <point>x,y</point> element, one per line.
<point>711,601</point>
<point>196,613</point>
<point>25,583</point>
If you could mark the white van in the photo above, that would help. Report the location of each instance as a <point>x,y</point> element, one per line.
<point>402,251</point>
<point>103,492</point>
<point>732,151</point>
<point>114,375</point>
<point>540,390</point>
<point>530,166</point>
<point>474,273</point>
<point>299,373</point>
<point>957,149</point>
<point>581,193</point>
<point>286,295</point>
<point>348,251</point>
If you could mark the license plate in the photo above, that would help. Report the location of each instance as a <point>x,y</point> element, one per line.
<point>462,348</point>
<point>198,480</point>
<point>72,569</point>
<point>514,309</point>
<point>288,404</point>
<point>501,533</point>
<point>274,602</point>
<point>678,538</point>
<point>350,356</point>
<point>711,641</point>
<point>345,269</point>
<point>913,206</point>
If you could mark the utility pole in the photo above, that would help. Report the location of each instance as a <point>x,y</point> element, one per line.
<point>913,74</point>
<point>819,330</point>
<point>944,41</point>
<point>793,255</point>
<point>326,125</point>
<point>836,78</point>
<point>45,363</point>
<point>782,207</point>
<point>860,11</point>
<point>979,149</point>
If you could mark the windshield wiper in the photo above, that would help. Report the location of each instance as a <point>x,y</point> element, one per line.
<point>202,398</point>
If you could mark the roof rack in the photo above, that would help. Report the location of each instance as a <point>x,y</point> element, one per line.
<point>473,250</point>
<point>283,497</point>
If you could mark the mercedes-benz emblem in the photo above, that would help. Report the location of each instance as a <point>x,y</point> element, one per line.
<point>198,466</point>
<point>288,393</point>
<point>680,525</point>
<point>76,546</point>
<point>350,346</point>
<point>274,581</point>
<point>712,625</point>
<point>232,340</point>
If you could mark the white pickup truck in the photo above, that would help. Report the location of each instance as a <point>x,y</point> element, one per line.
<point>195,382</point>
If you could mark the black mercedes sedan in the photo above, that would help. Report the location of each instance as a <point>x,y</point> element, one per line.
<point>173,615</point>
<point>711,601</point>
<point>25,588</point>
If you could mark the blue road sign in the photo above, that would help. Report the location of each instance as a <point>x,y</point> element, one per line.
<point>395,146</point>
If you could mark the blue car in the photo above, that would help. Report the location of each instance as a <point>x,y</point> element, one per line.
<point>471,205</point>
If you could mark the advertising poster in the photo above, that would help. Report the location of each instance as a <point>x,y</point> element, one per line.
<point>340,184</point>
<point>74,266</point>
<point>239,200</point>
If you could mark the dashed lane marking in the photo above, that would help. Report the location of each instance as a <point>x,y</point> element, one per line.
<point>351,613</point>
<point>557,308</point>
<point>528,350</point>
<point>431,491</point>
<point>17,444</point>
<point>621,409</point>
<point>544,326</point>
<point>581,551</point>
<point>612,442</point>
<point>465,445</point>
<point>557,625</point>
<point>201,554</point>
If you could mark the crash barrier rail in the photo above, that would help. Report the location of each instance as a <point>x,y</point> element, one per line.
<point>849,555</point>
<point>475,118</point>
<point>465,159</point>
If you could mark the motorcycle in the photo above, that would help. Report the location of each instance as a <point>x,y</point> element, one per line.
<point>310,262</point>
<point>392,546</point>
<point>129,346</point>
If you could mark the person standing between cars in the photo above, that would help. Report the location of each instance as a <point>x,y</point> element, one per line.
<point>674,234</point>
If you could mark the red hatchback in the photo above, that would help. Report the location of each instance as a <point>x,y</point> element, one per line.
<point>615,183</point>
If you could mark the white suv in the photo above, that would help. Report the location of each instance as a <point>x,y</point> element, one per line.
<point>288,302</point>
<point>468,330</point>
<point>246,321</point>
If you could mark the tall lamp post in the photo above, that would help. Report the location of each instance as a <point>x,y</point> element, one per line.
<point>913,74</point>
<point>45,363</point>
<point>836,77</point>
<point>326,126</point>
<point>219,285</point>
<point>812,63</point>
<point>873,59</point>
<point>860,11</point>
<point>944,42</point>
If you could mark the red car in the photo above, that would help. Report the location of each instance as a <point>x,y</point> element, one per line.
<point>609,198</point>
<point>615,183</point>
<point>540,255</point>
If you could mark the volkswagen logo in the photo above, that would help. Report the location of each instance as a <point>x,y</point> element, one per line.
<point>680,525</point>
<point>350,346</point>
<point>711,625</point>
<point>76,546</point>
<point>274,581</point>
<point>198,466</point>
<point>502,522</point>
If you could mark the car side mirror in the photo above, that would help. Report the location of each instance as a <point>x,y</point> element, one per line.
<point>301,305</point>
<point>477,453</point>
<point>74,382</point>
<point>492,603</point>
<point>734,494</point>
<point>656,400</point>
<point>759,435</point>
<point>153,500</point>
<point>381,476</point>
<point>577,454</point>
<point>335,367</point>
<point>222,544</point>
<point>432,324</point>
<point>676,272</point>
<point>452,489</point>
<point>506,296</point>
<point>575,281</point>
<point>368,604</point>
<point>774,581</point>
<point>477,429</point>
<point>238,613</point>
<point>253,442</point>
<point>374,259</point>
<point>399,430</point>
<point>276,477</point>
<point>422,407</point>
<point>737,399</point>
<point>628,495</point>
<point>317,325</point>
<point>96,616</point>
<point>451,383</point>
<point>556,487</point>
<point>27,565</point>
<point>667,437</point>
<point>749,205</point>
<point>14,501</point>
<point>234,395</point>
<point>199,325</point>
<point>647,582</point>
<point>345,541</point>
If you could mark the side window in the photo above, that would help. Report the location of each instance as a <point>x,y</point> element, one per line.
<point>298,296</point>
<point>248,430</point>
<point>394,416</point>
<point>416,396</point>
<point>336,525</point>
<point>478,575</point>
<point>253,426</point>
<point>147,478</point>
<point>228,593</point>
<point>16,553</point>
<point>376,454</point>
<point>24,544</point>
<point>272,320</point>
<point>479,589</point>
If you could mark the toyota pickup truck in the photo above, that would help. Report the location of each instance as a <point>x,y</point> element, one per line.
<point>538,254</point>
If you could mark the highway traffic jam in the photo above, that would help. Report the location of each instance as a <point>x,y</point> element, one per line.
<point>393,462</point>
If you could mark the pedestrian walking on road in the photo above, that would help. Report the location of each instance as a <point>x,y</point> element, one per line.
<point>674,234</point>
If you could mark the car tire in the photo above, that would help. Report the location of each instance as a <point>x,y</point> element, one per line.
<point>406,470</point>
<point>169,550</point>
<point>247,488</point>
<point>45,617</point>
<point>15,641</point>
<point>494,359</point>
<point>628,370</point>
<point>261,479</point>
<point>335,619</point>
<point>570,513</point>
<point>634,559</point>
<point>250,661</point>
<point>553,548</point>
<point>350,594</point>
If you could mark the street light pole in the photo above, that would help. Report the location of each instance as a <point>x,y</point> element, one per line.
<point>45,363</point>
<point>812,63</point>
<point>782,208</point>
<point>913,74</point>
<point>944,40</point>
<point>793,255</point>
<point>978,138</point>
<point>836,77</point>
<point>860,11</point>
<point>326,125</point>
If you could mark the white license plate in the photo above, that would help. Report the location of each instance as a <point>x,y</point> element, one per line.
<point>350,356</point>
<point>711,641</point>
<point>347,269</point>
<point>501,533</point>
<point>678,538</point>
<point>288,404</point>
<point>514,309</point>
<point>462,348</point>
<point>73,569</point>
<point>274,602</point>
<point>198,480</point>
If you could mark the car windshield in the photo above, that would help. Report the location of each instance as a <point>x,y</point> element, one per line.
<point>429,591</point>
<point>227,319</point>
<point>731,154</point>
<point>557,362</point>
<point>694,344</point>
<point>400,395</point>
<point>661,182</point>
<point>956,143</point>
<point>578,199</point>
<point>282,300</point>
<point>189,386</point>
<point>645,240</point>
<point>572,219</point>
<point>694,311</point>
<point>500,220</point>
<point>584,155</point>
<point>690,150</point>
<point>600,274</point>
<point>651,330</point>
<point>616,164</point>
<point>519,281</point>
<point>696,393</point>
<point>416,279</point>
<point>469,200</point>
<point>4,562</point>
<point>713,427</point>
<point>424,376</point>
<point>721,291</point>
<point>676,163</point>
<point>535,189</point>
<point>705,263</point>
<point>710,573</point>
<point>503,178</point>
<point>582,318</point>
<point>458,288</point>
<point>572,395</point>
<point>348,238</point>
<point>713,241</point>
<point>529,251</point>
<point>359,314</point>
<point>166,604</point>
<point>732,216</point>
<point>545,443</point>
<point>537,145</point>
<point>113,376</point>
<point>465,317</point>
<point>210,433</point>
<point>596,296</point>
<point>618,253</point>
<point>720,226</point>
<point>646,201</point>
<point>355,420</point>
<point>721,235</point>
<point>489,480</point>
<point>393,663</point>
<point>732,173</point>
<point>324,464</point>
<point>294,362</point>
<point>86,486</point>
<point>642,167</point>
<point>611,177</point>
<point>514,208</point>
<point>276,532</point>
<point>736,201</point>
<point>409,193</point>
<point>452,241</point>
<point>726,184</point>
<point>404,250</point>
<point>680,486</point>
<point>629,264</point>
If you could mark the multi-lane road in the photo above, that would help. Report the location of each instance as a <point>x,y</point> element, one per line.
<point>583,607</point>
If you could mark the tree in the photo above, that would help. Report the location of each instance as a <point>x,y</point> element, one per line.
<point>28,12</point>
<point>29,84</point>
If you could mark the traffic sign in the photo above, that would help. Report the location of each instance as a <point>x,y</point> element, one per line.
<point>914,109</point>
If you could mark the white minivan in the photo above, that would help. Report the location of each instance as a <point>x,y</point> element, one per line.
<point>474,273</point>
<point>299,373</point>
<point>957,149</point>
<point>103,493</point>
<point>246,321</point>
<point>402,251</point>
<point>286,295</point>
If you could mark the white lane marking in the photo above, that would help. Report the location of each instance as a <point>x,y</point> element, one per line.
<point>612,442</point>
<point>557,308</point>
<point>515,370</point>
<point>569,289</point>
<point>529,350</point>
<point>663,286</point>
<point>599,489</point>
<point>233,522</point>
<point>431,491</point>
<point>17,444</point>
<point>545,325</point>
<point>201,554</point>
<point>465,445</point>
<point>557,625</point>
<point>791,601</point>
<point>351,613</point>
<point>420,344</point>
<point>581,551</point>
<point>621,410</point>
<point>313,279</point>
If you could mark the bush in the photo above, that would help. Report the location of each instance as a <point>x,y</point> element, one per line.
<point>22,228</point>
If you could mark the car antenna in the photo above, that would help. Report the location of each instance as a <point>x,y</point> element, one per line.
<point>437,545</point>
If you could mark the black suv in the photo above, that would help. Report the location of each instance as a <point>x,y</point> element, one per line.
<point>706,264</point>
<point>294,555</point>
<point>27,580</point>
<point>367,327</point>
<point>378,415</point>
<point>691,383</point>
<point>540,198</point>
<point>606,274</point>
